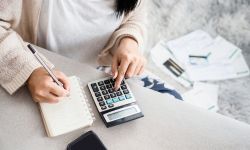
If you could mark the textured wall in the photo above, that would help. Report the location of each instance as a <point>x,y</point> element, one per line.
<point>170,19</point>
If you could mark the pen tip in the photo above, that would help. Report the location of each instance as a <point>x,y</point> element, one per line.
<point>31,49</point>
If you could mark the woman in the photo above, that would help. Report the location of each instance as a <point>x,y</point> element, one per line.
<point>113,30</point>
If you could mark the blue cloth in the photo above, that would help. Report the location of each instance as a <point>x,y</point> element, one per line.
<point>159,87</point>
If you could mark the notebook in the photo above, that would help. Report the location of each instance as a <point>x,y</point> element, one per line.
<point>69,114</point>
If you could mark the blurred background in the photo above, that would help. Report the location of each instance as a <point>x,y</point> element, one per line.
<point>170,19</point>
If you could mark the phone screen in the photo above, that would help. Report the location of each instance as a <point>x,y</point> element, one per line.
<point>88,141</point>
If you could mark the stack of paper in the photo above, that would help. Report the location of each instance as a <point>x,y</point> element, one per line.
<point>160,54</point>
<point>205,58</point>
<point>203,95</point>
<point>198,57</point>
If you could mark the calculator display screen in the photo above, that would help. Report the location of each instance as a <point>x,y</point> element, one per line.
<point>121,114</point>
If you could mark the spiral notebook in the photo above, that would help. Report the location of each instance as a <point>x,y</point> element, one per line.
<point>69,114</point>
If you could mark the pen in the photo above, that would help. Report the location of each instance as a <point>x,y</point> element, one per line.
<point>205,57</point>
<point>198,56</point>
<point>42,62</point>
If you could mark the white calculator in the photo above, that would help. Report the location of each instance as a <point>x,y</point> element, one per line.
<point>114,107</point>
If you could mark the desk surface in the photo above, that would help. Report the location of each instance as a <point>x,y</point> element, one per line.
<point>168,123</point>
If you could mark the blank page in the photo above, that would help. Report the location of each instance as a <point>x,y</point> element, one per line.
<point>69,114</point>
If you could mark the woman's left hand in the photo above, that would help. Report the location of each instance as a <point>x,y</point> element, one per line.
<point>127,61</point>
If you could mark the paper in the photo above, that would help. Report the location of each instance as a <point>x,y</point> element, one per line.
<point>69,114</point>
<point>238,68</point>
<point>160,54</point>
<point>203,95</point>
<point>192,43</point>
<point>205,58</point>
<point>222,51</point>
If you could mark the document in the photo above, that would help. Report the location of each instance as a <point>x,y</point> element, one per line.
<point>205,58</point>
<point>160,55</point>
<point>220,71</point>
<point>192,43</point>
<point>204,95</point>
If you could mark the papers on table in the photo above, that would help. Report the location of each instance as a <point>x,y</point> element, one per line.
<point>201,57</point>
<point>197,57</point>
<point>203,95</point>
<point>238,68</point>
<point>192,43</point>
<point>222,51</point>
<point>160,55</point>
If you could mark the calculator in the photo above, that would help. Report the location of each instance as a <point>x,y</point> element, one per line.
<point>114,107</point>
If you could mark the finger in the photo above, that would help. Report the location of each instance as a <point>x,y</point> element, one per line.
<point>64,80</point>
<point>138,68</point>
<point>49,98</point>
<point>57,90</point>
<point>114,67</point>
<point>131,69</point>
<point>142,67</point>
<point>121,72</point>
<point>141,70</point>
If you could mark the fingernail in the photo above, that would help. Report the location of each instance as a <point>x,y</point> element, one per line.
<point>67,94</point>
<point>114,75</point>
<point>115,87</point>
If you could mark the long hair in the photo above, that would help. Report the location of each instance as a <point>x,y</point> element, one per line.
<point>125,6</point>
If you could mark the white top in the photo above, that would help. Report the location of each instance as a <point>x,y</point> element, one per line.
<point>77,29</point>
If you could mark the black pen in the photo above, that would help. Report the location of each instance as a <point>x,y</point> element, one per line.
<point>45,66</point>
<point>194,56</point>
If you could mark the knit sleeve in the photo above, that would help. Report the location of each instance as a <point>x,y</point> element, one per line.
<point>16,61</point>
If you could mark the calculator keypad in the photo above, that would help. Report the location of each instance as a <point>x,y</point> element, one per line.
<point>106,96</point>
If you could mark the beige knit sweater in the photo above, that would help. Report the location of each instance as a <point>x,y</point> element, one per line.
<point>18,25</point>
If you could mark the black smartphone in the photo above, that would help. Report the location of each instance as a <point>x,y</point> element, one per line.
<point>88,141</point>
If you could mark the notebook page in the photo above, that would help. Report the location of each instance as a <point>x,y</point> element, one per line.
<point>68,114</point>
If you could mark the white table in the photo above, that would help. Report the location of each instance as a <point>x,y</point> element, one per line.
<point>168,123</point>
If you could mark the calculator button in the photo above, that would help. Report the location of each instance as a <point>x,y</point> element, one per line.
<point>125,91</point>
<point>123,87</point>
<point>112,80</point>
<point>128,96</point>
<point>106,96</point>
<point>109,86</point>
<point>99,99</point>
<point>100,83</point>
<point>104,92</point>
<point>122,82</point>
<point>111,105</point>
<point>102,87</point>
<point>101,103</point>
<point>109,101</point>
<point>103,107</point>
<point>111,90</point>
<point>106,81</point>
<point>115,100</point>
<point>121,98</point>
<point>112,95</point>
<point>118,93</point>
<point>97,94</point>
<point>94,87</point>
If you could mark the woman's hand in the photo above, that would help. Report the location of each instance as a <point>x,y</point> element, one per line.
<point>44,89</point>
<point>127,61</point>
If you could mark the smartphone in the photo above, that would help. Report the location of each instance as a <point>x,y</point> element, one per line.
<point>88,141</point>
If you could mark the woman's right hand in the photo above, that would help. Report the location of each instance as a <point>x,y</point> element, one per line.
<point>44,89</point>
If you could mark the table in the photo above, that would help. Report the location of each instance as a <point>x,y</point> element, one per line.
<point>168,123</point>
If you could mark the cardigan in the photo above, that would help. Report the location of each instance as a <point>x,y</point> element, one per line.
<point>19,26</point>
